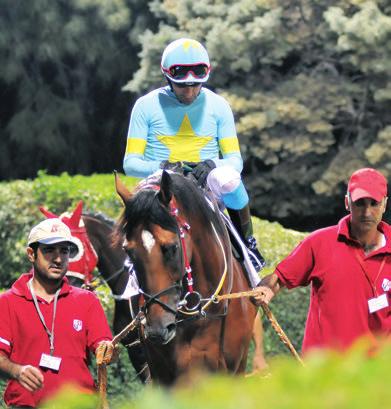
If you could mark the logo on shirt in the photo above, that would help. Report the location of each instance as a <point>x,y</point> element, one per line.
<point>386,285</point>
<point>78,325</point>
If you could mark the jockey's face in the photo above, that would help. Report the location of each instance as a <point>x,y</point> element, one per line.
<point>186,94</point>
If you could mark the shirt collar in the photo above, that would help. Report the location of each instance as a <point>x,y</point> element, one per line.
<point>344,233</point>
<point>20,286</point>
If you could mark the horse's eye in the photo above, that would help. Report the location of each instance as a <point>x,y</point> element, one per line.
<point>169,250</point>
<point>130,252</point>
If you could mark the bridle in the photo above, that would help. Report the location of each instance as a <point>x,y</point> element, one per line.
<point>192,303</point>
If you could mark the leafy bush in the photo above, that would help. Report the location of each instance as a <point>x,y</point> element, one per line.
<point>18,211</point>
<point>289,307</point>
<point>61,193</point>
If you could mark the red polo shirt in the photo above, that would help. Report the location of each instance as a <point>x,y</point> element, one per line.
<point>80,324</point>
<point>341,285</point>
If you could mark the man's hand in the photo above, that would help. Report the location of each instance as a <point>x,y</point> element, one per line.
<point>29,377</point>
<point>263,295</point>
<point>106,352</point>
<point>202,170</point>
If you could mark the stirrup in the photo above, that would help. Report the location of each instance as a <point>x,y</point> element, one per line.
<point>256,257</point>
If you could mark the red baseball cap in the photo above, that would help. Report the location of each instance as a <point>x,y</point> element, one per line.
<point>367,182</point>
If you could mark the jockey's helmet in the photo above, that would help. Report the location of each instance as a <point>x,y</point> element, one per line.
<point>185,61</point>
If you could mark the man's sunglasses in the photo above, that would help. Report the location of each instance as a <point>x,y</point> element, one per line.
<point>181,72</point>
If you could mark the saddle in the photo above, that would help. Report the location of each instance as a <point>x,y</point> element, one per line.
<point>239,249</point>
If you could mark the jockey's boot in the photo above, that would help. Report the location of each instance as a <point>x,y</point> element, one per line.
<point>241,219</point>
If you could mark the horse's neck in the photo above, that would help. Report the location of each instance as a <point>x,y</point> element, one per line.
<point>212,256</point>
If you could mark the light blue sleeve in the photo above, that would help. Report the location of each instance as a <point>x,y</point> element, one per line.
<point>226,129</point>
<point>134,163</point>
<point>138,167</point>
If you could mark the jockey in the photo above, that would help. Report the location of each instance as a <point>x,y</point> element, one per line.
<point>187,123</point>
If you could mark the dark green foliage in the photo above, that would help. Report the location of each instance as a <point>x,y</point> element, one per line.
<point>309,83</point>
<point>63,66</point>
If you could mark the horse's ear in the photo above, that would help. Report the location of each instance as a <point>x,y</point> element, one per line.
<point>74,220</point>
<point>165,193</point>
<point>121,189</point>
<point>47,213</point>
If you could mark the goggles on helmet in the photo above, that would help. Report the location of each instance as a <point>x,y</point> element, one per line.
<point>187,84</point>
<point>181,72</point>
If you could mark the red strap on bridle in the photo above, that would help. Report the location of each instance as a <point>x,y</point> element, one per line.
<point>183,226</point>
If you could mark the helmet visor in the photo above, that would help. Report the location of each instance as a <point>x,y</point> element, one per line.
<point>181,72</point>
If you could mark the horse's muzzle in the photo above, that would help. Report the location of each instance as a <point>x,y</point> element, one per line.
<point>161,335</point>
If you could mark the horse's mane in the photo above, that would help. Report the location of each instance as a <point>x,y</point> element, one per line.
<point>146,209</point>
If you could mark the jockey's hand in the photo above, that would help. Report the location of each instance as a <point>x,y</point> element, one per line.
<point>202,170</point>
<point>106,352</point>
<point>263,295</point>
<point>167,165</point>
<point>189,166</point>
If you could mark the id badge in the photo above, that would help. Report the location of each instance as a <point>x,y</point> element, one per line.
<point>378,303</point>
<point>50,362</point>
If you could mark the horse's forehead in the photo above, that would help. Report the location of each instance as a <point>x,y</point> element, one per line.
<point>153,233</point>
<point>163,236</point>
<point>148,240</point>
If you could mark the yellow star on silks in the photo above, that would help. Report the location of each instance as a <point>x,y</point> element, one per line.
<point>185,145</point>
<point>190,43</point>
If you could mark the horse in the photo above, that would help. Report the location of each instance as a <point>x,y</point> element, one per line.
<point>182,254</point>
<point>96,249</point>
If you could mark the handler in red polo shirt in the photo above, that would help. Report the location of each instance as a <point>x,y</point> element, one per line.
<point>48,326</point>
<point>349,268</point>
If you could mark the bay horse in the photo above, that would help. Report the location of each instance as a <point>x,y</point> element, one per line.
<point>179,244</point>
<point>94,234</point>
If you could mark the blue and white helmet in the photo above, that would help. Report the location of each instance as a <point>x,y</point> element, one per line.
<point>185,61</point>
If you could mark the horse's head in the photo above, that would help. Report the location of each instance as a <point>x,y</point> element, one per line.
<point>153,242</point>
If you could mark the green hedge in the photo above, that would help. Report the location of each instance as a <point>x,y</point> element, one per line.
<point>19,201</point>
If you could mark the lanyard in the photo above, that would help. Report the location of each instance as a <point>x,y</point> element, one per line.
<point>50,333</point>
<point>360,261</point>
